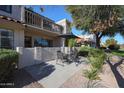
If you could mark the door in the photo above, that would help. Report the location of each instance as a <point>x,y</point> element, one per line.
<point>28,41</point>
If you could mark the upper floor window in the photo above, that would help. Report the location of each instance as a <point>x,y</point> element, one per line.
<point>6,8</point>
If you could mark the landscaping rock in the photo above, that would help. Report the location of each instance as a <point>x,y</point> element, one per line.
<point>115,59</point>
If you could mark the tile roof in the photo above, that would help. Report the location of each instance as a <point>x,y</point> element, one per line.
<point>10,19</point>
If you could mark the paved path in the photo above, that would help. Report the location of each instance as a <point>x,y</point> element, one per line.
<point>52,75</point>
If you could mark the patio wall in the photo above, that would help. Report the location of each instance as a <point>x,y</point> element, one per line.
<point>36,55</point>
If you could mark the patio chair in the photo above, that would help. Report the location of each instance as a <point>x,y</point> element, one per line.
<point>75,56</point>
<point>61,56</point>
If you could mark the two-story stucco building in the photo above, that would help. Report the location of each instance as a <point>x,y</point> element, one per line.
<point>21,27</point>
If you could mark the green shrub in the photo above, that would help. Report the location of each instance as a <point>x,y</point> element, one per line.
<point>91,74</point>
<point>84,50</point>
<point>8,61</point>
<point>71,42</point>
<point>112,44</point>
<point>114,47</point>
<point>96,58</point>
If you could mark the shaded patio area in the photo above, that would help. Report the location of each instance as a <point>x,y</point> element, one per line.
<point>22,79</point>
<point>52,75</point>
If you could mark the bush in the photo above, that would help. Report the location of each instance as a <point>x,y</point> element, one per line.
<point>71,42</point>
<point>83,53</point>
<point>114,47</point>
<point>91,74</point>
<point>112,44</point>
<point>8,61</point>
<point>84,50</point>
<point>96,58</point>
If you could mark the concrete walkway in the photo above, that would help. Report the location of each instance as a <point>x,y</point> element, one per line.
<point>52,75</point>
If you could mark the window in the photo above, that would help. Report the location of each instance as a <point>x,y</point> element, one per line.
<point>40,42</point>
<point>6,39</point>
<point>6,8</point>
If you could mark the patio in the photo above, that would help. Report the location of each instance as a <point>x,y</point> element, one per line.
<point>52,75</point>
<point>46,69</point>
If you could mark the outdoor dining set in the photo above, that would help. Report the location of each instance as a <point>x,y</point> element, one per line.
<point>69,57</point>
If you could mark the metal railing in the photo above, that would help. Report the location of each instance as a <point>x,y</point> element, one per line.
<point>34,19</point>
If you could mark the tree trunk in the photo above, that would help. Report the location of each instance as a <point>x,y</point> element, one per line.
<point>97,42</point>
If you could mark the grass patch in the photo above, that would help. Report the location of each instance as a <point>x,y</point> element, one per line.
<point>122,49</point>
<point>118,52</point>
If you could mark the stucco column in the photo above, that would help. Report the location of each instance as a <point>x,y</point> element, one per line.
<point>20,61</point>
<point>18,38</point>
<point>37,55</point>
<point>22,13</point>
<point>63,44</point>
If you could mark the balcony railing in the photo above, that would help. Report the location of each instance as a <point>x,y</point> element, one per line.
<point>39,21</point>
<point>32,18</point>
<point>51,26</point>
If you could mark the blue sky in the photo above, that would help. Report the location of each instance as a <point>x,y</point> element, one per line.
<point>58,12</point>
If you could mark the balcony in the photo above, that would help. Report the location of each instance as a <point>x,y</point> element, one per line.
<point>36,20</point>
<point>32,18</point>
<point>51,26</point>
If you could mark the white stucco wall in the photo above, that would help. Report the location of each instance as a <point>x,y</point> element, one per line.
<point>18,38</point>
<point>26,56</point>
<point>64,24</point>
<point>17,12</point>
<point>37,55</point>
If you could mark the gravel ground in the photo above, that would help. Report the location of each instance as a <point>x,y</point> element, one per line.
<point>79,81</point>
<point>76,81</point>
